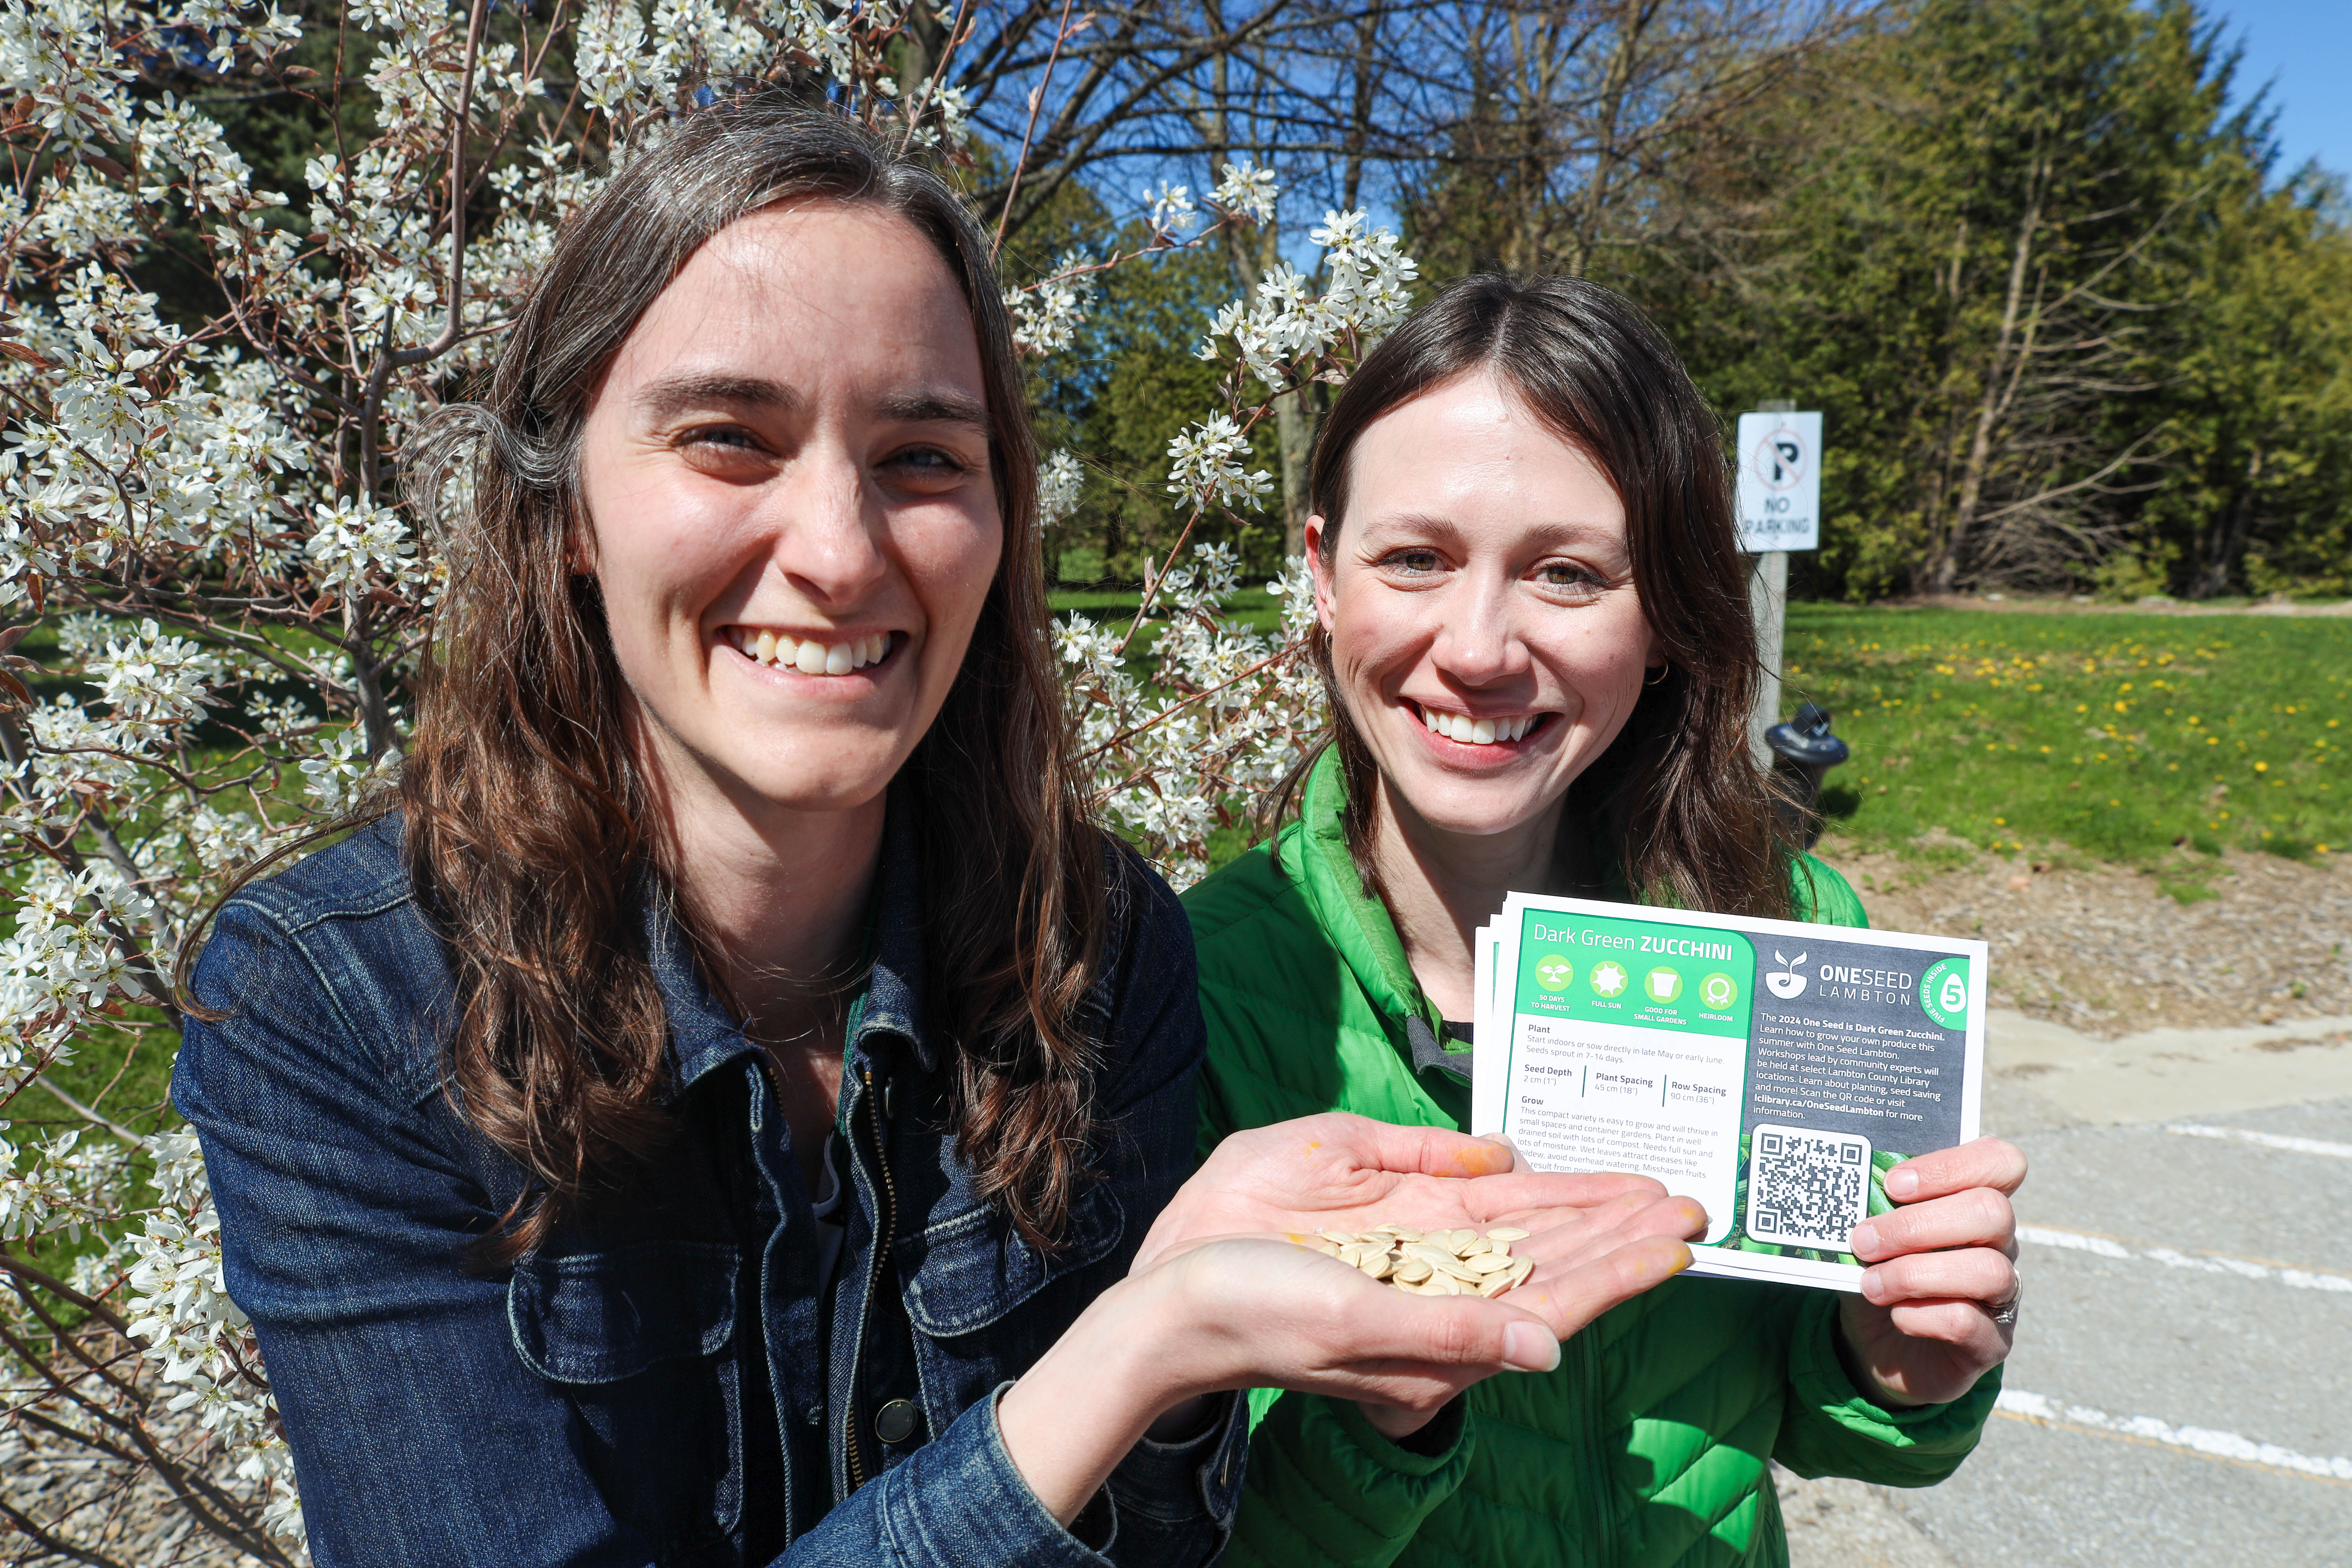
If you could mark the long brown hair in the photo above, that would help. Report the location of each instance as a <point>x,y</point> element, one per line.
<point>1676,805</point>
<point>528,833</point>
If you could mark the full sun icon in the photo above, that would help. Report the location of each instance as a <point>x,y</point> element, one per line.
<point>1609,979</point>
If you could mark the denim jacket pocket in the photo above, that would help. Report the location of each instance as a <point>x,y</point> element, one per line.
<point>639,1340</point>
<point>600,1317</point>
<point>965,1273</point>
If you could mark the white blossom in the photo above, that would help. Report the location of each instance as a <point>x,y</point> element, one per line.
<point>1287,322</point>
<point>1247,191</point>
<point>1204,470</point>
<point>340,773</point>
<point>355,543</point>
<point>1048,314</point>
<point>1060,484</point>
<point>1170,210</point>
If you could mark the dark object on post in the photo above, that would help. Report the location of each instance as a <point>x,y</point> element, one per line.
<point>1802,751</point>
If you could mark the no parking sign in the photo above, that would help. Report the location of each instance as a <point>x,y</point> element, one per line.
<point>1780,482</point>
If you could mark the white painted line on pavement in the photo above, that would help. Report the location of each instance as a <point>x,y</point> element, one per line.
<point>2267,1140</point>
<point>2203,1262</point>
<point>2023,1406</point>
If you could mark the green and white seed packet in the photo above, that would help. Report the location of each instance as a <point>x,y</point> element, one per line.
<point>1775,1071</point>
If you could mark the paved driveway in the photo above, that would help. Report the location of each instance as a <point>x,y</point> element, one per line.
<point>2181,1391</point>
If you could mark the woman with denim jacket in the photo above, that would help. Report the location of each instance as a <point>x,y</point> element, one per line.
<point>731,1106</point>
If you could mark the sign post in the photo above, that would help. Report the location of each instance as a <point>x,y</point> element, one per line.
<point>1779,511</point>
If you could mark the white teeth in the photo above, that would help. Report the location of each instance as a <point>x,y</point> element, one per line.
<point>784,651</point>
<point>1472,732</point>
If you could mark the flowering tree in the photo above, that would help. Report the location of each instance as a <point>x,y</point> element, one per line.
<point>202,529</point>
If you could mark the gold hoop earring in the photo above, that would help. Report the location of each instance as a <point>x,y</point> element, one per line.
<point>1663,671</point>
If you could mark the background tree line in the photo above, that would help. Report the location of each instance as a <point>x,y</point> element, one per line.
<point>2070,321</point>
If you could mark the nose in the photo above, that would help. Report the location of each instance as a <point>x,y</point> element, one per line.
<point>828,527</point>
<point>1476,644</point>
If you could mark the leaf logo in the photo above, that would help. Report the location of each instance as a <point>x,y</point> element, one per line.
<point>1787,984</point>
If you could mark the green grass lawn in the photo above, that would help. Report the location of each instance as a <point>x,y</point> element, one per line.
<point>1252,608</point>
<point>2119,736</point>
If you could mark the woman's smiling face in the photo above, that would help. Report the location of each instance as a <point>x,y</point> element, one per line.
<point>794,520</point>
<point>1485,633</point>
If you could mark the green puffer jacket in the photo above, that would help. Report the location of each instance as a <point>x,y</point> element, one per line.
<point>1647,1448</point>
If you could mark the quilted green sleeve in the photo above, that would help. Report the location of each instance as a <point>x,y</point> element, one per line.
<point>1820,894</point>
<point>1830,1428</point>
<point>1324,1488</point>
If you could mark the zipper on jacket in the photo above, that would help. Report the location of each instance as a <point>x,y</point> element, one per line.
<point>889,1228</point>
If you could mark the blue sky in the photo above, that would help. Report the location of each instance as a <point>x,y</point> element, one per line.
<point>2304,50</point>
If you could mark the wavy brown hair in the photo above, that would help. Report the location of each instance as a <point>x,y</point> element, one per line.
<point>1675,807</point>
<point>529,832</point>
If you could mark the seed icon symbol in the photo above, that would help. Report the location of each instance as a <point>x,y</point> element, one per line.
<point>1555,972</point>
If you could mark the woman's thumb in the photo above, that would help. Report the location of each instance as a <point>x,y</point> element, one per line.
<point>1528,1346</point>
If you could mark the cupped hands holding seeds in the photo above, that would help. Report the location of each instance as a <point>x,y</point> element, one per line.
<point>1219,1297</point>
<point>1535,1256</point>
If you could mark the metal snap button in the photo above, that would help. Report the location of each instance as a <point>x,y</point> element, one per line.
<point>896,1422</point>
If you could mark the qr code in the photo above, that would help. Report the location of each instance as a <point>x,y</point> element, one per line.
<point>1807,1189</point>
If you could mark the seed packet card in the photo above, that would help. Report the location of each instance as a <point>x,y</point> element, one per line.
<point>1774,1070</point>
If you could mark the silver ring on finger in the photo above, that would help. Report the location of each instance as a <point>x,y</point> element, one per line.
<point>2005,1315</point>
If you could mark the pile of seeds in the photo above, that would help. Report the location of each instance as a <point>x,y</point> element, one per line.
<point>1430,1262</point>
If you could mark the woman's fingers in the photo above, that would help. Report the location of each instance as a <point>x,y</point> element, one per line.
<point>1992,1162</point>
<point>1295,1319</point>
<point>1568,1236</point>
<point>1569,1295</point>
<point>1351,1173</point>
<point>1514,1197</point>
<point>1314,1148</point>
<point>1972,1274</point>
<point>1271,1314</point>
<point>1409,1150</point>
<point>1981,1217</point>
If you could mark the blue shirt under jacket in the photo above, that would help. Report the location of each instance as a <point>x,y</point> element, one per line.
<point>669,1380</point>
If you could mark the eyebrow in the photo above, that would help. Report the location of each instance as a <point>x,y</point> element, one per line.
<point>938,408</point>
<point>675,394</point>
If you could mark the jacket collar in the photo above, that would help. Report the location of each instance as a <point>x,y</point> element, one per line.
<point>894,993</point>
<point>704,1036</point>
<point>1359,925</point>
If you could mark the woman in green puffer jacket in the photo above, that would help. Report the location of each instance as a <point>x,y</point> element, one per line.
<point>1533,627</point>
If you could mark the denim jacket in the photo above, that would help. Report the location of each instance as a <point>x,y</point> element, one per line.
<point>665,1381</point>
